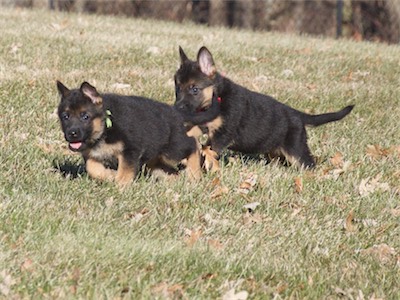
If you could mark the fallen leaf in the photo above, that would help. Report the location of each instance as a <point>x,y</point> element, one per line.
<point>192,236</point>
<point>211,162</point>
<point>382,252</point>
<point>395,211</point>
<point>368,186</point>
<point>153,50</point>
<point>136,216</point>
<point>215,244</point>
<point>281,287</point>
<point>250,207</point>
<point>377,152</point>
<point>248,184</point>
<point>209,276</point>
<point>298,184</point>
<point>219,191</point>
<point>167,291</point>
<point>6,281</point>
<point>349,225</point>
<point>120,86</point>
<point>250,219</point>
<point>337,160</point>
<point>232,295</point>
<point>27,265</point>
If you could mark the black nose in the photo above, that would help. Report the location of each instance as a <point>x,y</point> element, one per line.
<point>180,105</point>
<point>73,134</point>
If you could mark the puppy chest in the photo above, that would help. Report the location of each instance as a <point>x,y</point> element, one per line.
<point>104,151</point>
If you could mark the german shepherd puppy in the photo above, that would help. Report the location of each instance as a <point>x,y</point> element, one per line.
<point>248,122</point>
<point>130,129</point>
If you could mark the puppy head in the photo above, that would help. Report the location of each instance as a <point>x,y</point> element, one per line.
<point>194,81</point>
<point>81,115</point>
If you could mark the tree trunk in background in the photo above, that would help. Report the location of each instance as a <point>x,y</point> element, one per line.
<point>376,20</point>
<point>218,13</point>
<point>393,7</point>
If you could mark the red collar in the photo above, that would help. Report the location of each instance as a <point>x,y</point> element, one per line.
<point>219,100</point>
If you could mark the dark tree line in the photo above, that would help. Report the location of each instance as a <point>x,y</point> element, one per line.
<point>377,20</point>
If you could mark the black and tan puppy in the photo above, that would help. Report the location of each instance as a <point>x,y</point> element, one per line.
<point>133,130</point>
<point>248,122</point>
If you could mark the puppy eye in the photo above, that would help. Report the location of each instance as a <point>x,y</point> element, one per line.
<point>85,116</point>
<point>65,115</point>
<point>194,90</point>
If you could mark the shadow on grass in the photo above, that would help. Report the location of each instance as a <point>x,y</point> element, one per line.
<point>251,158</point>
<point>69,168</point>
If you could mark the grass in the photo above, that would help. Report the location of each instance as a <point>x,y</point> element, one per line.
<point>330,233</point>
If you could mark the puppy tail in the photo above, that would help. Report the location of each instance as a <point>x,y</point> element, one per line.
<point>316,120</point>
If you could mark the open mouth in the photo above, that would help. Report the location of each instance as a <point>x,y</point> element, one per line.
<point>75,146</point>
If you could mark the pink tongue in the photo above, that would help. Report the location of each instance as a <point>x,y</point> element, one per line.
<point>75,145</point>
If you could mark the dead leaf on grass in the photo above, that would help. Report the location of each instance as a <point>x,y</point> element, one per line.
<point>250,219</point>
<point>395,211</point>
<point>349,225</point>
<point>211,162</point>
<point>368,186</point>
<point>192,236</point>
<point>168,291</point>
<point>377,152</point>
<point>248,183</point>
<point>215,244</point>
<point>337,160</point>
<point>251,207</point>
<point>232,295</point>
<point>340,166</point>
<point>382,252</point>
<point>219,191</point>
<point>27,265</point>
<point>298,184</point>
<point>121,86</point>
<point>209,276</point>
<point>136,217</point>
<point>6,281</point>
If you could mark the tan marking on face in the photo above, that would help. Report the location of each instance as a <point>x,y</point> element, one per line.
<point>97,170</point>
<point>98,128</point>
<point>125,172</point>
<point>207,96</point>
<point>104,151</point>
<point>214,125</point>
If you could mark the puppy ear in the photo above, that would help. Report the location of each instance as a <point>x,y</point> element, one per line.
<point>182,55</point>
<point>62,89</point>
<point>206,62</point>
<point>91,92</point>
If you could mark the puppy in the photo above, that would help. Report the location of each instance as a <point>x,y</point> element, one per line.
<point>248,122</point>
<point>131,130</point>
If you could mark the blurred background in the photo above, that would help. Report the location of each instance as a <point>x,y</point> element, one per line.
<point>371,20</point>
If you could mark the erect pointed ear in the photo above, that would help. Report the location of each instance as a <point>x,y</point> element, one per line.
<point>182,55</point>
<point>206,62</point>
<point>90,91</point>
<point>62,89</point>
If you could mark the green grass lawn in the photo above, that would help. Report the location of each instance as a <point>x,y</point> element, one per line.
<point>326,234</point>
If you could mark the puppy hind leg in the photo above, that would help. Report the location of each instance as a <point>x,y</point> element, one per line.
<point>297,151</point>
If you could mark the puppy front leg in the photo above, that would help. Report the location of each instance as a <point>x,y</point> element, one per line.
<point>125,173</point>
<point>193,167</point>
<point>97,170</point>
